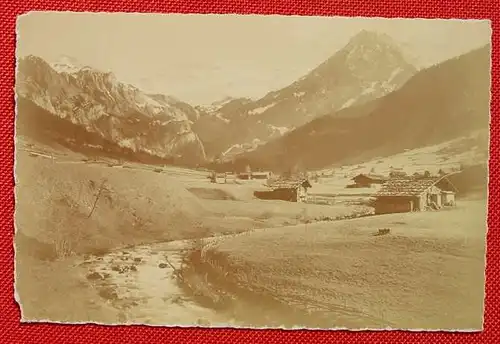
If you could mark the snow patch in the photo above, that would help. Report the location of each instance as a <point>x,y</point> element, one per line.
<point>127,143</point>
<point>280,130</point>
<point>348,103</point>
<point>217,105</point>
<point>222,118</point>
<point>260,110</point>
<point>66,64</point>
<point>394,74</point>
<point>235,146</point>
<point>244,147</point>
<point>367,90</point>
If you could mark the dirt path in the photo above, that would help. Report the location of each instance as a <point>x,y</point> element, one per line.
<point>140,282</point>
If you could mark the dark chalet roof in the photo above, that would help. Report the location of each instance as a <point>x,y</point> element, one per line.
<point>371,176</point>
<point>290,184</point>
<point>401,187</point>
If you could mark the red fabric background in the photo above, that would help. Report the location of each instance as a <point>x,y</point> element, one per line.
<point>11,331</point>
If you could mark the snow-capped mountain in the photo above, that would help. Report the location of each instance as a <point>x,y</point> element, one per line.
<point>66,64</point>
<point>370,66</point>
<point>444,102</point>
<point>118,112</point>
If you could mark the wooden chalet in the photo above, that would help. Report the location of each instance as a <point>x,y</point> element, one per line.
<point>286,190</point>
<point>367,180</point>
<point>261,175</point>
<point>254,175</point>
<point>399,195</point>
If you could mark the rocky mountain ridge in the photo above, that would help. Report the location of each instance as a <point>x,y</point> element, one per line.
<point>118,112</point>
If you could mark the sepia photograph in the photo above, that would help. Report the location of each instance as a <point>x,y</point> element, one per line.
<point>251,171</point>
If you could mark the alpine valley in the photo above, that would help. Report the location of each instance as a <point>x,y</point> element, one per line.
<point>361,99</point>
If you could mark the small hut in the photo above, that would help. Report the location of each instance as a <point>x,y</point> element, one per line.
<point>367,180</point>
<point>261,175</point>
<point>286,190</point>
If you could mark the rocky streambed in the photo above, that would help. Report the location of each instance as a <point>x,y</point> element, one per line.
<point>141,283</point>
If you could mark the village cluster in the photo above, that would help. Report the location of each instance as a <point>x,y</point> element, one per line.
<point>394,193</point>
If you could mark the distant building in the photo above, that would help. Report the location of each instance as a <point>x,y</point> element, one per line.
<point>397,174</point>
<point>254,175</point>
<point>215,177</point>
<point>261,175</point>
<point>399,195</point>
<point>286,190</point>
<point>367,180</point>
<point>244,175</point>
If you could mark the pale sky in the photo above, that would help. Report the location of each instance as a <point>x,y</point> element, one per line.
<point>203,58</point>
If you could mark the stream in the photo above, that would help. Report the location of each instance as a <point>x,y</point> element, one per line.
<point>140,283</point>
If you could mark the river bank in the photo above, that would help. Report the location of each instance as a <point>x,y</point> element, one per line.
<point>426,272</point>
<point>204,278</point>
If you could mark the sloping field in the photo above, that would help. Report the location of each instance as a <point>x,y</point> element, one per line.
<point>428,272</point>
<point>467,150</point>
<point>211,193</point>
<point>81,208</point>
<point>239,190</point>
<point>283,211</point>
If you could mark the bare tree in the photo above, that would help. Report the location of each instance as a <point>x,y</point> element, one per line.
<point>99,193</point>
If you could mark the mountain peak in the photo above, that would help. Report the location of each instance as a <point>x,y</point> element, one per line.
<point>374,53</point>
<point>366,37</point>
<point>32,59</point>
<point>66,64</point>
<point>65,59</point>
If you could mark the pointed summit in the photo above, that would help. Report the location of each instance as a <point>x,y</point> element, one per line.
<point>366,37</point>
<point>372,43</point>
<point>375,56</point>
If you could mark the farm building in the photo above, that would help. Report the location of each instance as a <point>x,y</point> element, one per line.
<point>397,174</point>
<point>244,175</point>
<point>367,180</point>
<point>261,175</point>
<point>286,190</point>
<point>400,195</point>
<point>217,177</point>
<point>254,175</point>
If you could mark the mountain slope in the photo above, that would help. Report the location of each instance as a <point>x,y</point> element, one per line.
<point>442,102</point>
<point>117,112</point>
<point>42,126</point>
<point>368,67</point>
